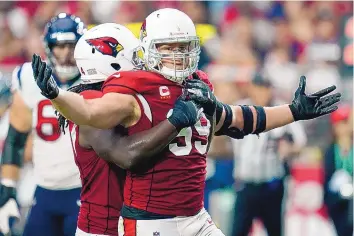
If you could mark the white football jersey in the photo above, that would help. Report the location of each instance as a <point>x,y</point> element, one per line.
<point>53,159</point>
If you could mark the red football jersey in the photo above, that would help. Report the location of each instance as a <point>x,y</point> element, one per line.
<point>175,184</point>
<point>102,186</point>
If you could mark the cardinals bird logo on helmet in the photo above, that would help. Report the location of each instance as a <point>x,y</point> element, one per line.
<point>106,45</point>
<point>143,33</point>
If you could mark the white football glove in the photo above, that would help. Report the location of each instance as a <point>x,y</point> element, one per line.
<point>341,182</point>
<point>8,205</point>
<point>8,210</point>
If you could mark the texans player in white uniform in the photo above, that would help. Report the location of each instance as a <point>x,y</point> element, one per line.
<point>25,186</point>
<point>56,199</point>
<point>5,101</point>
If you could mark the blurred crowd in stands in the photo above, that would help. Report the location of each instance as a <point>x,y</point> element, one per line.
<point>280,40</point>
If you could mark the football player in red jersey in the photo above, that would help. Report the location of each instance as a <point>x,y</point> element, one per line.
<point>98,152</point>
<point>167,199</point>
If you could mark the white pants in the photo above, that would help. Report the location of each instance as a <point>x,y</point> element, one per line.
<point>79,232</point>
<point>198,225</point>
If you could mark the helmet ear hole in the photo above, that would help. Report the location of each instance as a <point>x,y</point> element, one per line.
<point>116,66</point>
<point>93,50</point>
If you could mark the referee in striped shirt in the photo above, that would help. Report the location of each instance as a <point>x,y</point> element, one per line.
<point>259,167</point>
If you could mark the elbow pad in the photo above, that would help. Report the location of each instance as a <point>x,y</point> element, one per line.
<point>247,119</point>
<point>225,130</point>
<point>227,122</point>
<point>248,122</point>
<point>261,120</point>
<point>218,111</point>
<point>14,147</point>
<point>233,132</point>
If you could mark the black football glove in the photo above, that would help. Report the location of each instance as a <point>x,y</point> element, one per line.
<point>6,193</point>
<point>43,75</point>
<point>200,93</point>
<point>184,113</point>
<point>307,107</point>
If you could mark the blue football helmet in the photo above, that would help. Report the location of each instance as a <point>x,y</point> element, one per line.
<point>61,30</point>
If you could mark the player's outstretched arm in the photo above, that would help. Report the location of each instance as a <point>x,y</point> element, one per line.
<point>19,129</point>
<point>303,107</point>
<point>238,121</point>
<point>106,112</point>
<point>129,152</point>
<point>12,158</point>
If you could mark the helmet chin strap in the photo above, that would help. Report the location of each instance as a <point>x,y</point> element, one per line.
<point>173,75</point>
<point>155,64</point>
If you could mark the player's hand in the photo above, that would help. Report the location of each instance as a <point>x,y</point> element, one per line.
<point>8,207</point>
<point>184,113</point>
<point>200,93</point>
<point>307,107</point>
<point>43,75</point>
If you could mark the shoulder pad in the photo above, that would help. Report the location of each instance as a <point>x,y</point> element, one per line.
<point>23,82</point>
<point>19,75</point>
<point>120,82</point>
<point>91,94</point>
<point>132,82</point>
